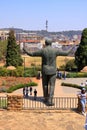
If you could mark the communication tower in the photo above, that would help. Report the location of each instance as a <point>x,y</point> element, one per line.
<point>46,25</point>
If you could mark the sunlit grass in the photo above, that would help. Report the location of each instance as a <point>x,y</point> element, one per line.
<point>60,60</point>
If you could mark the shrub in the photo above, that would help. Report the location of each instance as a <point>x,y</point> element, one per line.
<point>3,71</point>
<point>12,88</point>
<point>78,74</point>
<point>20,72</point>
<point>30,72</point>
<point>62,68</point>
<point>72,85</point>
<point>70,65</point>
<point>3,89</point>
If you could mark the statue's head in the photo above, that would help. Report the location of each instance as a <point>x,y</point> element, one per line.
<point>48,41</point>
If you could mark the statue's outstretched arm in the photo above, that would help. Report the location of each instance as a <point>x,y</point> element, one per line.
<point>36,53</point>
<point>65,53</point>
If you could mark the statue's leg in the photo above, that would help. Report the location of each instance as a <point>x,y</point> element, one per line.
<point>51,89</point>
<point>45,86</point>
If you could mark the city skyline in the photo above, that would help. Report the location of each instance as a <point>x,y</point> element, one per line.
<point>62,15</point>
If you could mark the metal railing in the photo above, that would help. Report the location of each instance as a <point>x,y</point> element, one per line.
<point>3,102</point>
<point>38,104</point>
<point>59,103</point>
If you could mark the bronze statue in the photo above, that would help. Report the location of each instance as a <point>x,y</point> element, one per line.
<point>48,55</point>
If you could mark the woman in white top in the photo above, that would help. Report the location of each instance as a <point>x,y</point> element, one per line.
<point>82,96</point>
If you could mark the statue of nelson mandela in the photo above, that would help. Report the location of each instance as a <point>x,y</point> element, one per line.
<point>48,55</point>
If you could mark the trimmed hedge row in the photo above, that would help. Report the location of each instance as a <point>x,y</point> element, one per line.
<point>72,85</point>
<point>13,88</point>
<point>76,75</point>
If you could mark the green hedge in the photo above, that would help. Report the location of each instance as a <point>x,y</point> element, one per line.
<point>13,88</point>
<point>72,85</point>
<point>76,75</point>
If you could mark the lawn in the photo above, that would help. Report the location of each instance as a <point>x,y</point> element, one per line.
<point>61,60</point>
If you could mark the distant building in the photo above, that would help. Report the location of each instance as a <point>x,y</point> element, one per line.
<point>56,45</point>
<point>32,41</point>
<point>4,34</point>
<point>35,40</point>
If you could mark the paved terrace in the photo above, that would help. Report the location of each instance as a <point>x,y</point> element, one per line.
<point>45,120</point>
<point>60,91</point>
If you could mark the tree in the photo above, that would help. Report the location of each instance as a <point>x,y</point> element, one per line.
<point>3,48</point>
<point>70,65</point>
<point>81,52</point>
<point>13,57</point>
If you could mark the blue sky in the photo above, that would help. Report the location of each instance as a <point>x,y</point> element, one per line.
<point>62,15</point>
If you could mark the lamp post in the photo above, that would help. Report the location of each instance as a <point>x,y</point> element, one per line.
<point>24,66</point>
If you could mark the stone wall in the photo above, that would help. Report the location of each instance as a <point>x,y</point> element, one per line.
<point>14,102</point>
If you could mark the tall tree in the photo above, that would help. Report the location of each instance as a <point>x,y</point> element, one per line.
<point>81,52</point>
<point>3,48</point>
<point>13,57</point>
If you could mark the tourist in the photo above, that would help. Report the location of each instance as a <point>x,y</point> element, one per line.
<point>35,94</point>
<point>64,75</point>
<point>83,96</point>
<point>24,91</point>
<point>30,90</point>
<point>38,75</point>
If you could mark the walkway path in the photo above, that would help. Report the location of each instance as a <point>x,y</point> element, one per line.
<point>40,120</point>
<point>60,91</point>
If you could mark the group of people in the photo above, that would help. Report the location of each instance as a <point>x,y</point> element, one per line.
<point>61,75</point>
<point>27,91</point>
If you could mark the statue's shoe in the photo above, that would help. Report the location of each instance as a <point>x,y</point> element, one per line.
<point>50,104</point>
<point>45,100</point>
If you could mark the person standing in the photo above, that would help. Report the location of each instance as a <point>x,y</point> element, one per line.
<point>64,75</point>
<point>83,96</point>
<point>24,91</point>
<point>30,90</point>
<point>48,55</point>
<point>35,94</point>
